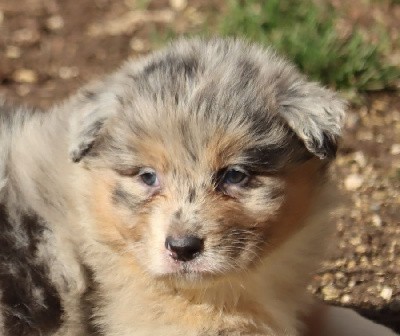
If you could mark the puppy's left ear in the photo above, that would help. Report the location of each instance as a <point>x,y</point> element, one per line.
<point>315,114</point>
<point>90,118</point>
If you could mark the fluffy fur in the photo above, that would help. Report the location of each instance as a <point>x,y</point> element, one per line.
<point>88,234</point>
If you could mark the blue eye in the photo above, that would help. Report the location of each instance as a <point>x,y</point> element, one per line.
<point>149,177</point>
<point>234,176</point>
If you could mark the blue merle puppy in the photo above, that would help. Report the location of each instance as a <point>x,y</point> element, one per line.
<point>185,194</point>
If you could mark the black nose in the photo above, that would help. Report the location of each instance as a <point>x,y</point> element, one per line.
<point>185,248</point>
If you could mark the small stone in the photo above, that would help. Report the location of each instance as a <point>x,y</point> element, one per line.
<point>361,249</point>
<point>352,120</point>
<point>326,279</point>
<point>340,280</point>
<point>379,195</point>
<point>378,263</point>
<point>379,105</point>
<point>195,16</point>
<point>351,284</point>
<point>364,261</point>
<point>138,45</point>
<point>395,149</point>
<point>365,135</point>
<point>339,275</point>
<point>375,207</point>
<point>178,5</point>
<point>376,220</point>
<point>386,293</point>
<point>346,298</point>
<point>360,159</point>
<point>353,182</point>
<point>55,22</point>
<point>68,72</point>
<point>25,76</point>
<point>330,292</point>
<point>13,52</point>
<point>351,265</point>
<point>355,241</point>
<point>26,35</point>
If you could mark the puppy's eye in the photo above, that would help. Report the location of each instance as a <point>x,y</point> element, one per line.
<point>149,177</point>
<point>234,176</point>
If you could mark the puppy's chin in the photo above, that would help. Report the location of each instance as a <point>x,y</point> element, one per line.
<point>189,279</point>
<point>187,274</point>
<point>196,273</point>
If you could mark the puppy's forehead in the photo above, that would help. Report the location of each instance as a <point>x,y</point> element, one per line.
<point>223,81</point>
<point>192,142</point>
<point>189,143</point>
<point>208,102</point>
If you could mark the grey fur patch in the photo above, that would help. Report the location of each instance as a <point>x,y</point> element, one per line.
<point>222,83</point>
<point>178,214</point>
<point>123,198</point>
<point>12,121</point>
<point>191,195</point>
<point>87,136</point>
<point>94,110</point>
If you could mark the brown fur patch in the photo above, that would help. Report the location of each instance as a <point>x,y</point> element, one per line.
<point>109,224</point>
<point>303,183</point>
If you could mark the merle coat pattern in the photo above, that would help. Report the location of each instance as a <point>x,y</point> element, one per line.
<point>90,190</point>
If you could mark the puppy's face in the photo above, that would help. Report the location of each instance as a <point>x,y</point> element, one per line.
<point>196,174</point>
<point>199,204</point>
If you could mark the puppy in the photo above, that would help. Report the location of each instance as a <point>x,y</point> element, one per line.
<point>186,194</point>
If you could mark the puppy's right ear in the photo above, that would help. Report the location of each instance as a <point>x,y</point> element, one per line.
<point>88,124</point>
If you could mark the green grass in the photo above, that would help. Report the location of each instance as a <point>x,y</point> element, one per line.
<point>306,33</point>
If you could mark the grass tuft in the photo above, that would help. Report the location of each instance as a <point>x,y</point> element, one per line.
<point>306,33</point>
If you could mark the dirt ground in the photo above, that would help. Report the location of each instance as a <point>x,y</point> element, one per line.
<point>49,48</point>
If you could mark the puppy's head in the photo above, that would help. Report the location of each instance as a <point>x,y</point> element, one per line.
<point>203,158</point>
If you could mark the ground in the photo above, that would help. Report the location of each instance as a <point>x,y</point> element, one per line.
<point>49,48</point>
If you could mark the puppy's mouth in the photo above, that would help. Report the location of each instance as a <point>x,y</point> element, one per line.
<point>185,268</point>
<point>191,261</point>
<point>195,270</point>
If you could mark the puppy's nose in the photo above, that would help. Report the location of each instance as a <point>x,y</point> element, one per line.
<point>184,248</point>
